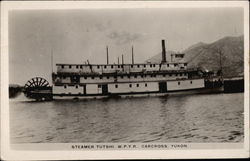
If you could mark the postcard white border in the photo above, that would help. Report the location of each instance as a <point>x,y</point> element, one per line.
<point>8,153</point>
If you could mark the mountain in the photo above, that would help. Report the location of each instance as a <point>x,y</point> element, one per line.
<point>207,56</point>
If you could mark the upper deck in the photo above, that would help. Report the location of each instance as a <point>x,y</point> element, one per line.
<point>176,64</point>
<point>118,68</point>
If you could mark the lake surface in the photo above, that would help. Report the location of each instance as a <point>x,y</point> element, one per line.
<point>182,118</point>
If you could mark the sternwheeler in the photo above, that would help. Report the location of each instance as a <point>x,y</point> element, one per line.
<point>76,81</point>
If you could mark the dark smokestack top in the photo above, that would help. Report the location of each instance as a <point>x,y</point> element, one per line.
<point>163,52</point>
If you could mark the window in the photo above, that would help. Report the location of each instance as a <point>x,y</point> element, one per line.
<point>175,65</point>
<point>142,76</point>
<point>99,86</point>
<point>154,65</point>
<point>137,85</point>
<point>76,86</point>
<point>176,74</point>
<point>112,66</point>
<point>77,67</point>
<point>100,77</point>
<point>107,77</point>
<point>160,65</point>
<point>130,85</point>
<point>135,76</point>
<point>144,66</point>
<point>164,75</point>
<point>185,64</point>
<point>179,83</point>
<point>93,77</point>
<point>146,84</point>
<point>138,66</point>
<point>128,76</point>
<point>115,76</point>
<point>81,66</point>
<point>181,74</point>
<point>121,76</point>
<point>170,75</point>
<point>167,65</point>
<point>118,66</point>
<point>105,66</point>
<point>65,86</point>
<point>98,66</point>
<point>116,86</point>
<point>69,66</point>
<point>121,66</point>
<point>191,82</point>
<point>62,66</point>
<point>131,66</point>
<point>150,65</point>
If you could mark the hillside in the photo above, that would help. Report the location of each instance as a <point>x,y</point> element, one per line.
<point>207,55</point>
<point>157,58</point>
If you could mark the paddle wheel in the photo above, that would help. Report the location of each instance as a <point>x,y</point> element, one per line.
<point>38,88</point>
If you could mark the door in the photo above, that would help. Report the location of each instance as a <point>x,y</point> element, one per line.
<point>84,89</point>
<point>162,87</point>
<point>104,89</point>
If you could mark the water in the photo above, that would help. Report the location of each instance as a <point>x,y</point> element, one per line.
<point>190,118</point>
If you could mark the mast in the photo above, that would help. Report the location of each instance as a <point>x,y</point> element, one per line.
<point>51,65</point>
<point>221,73</point>
<point>51,60</point>
<point>122,59</point>
<point>107,50</point>
<point>132,55</point>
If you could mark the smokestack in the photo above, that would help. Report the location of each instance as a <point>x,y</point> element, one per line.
<point>122,59</point>
<point>107,54</point>
<point>118,60</point>
<point>132,55</point>
<point>163,51</point>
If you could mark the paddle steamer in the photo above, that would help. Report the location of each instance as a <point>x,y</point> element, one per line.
<point>121,79</point>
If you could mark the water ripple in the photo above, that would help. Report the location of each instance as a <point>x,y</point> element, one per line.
<point>192,118</point>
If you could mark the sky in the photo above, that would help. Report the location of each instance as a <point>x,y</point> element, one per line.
<point>75,36</point>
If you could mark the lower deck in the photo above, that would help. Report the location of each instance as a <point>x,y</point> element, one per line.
<point>129,88</point>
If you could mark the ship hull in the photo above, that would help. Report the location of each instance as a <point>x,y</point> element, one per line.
<point>139,94</point>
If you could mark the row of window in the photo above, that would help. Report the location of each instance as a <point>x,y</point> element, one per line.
<point>119,66</point>
<point>191,82</point>
<point>135,76</point>
<point>65,86</point>
<point>130,85</point>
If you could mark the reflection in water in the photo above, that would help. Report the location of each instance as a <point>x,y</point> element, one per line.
<point>191,118</point>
